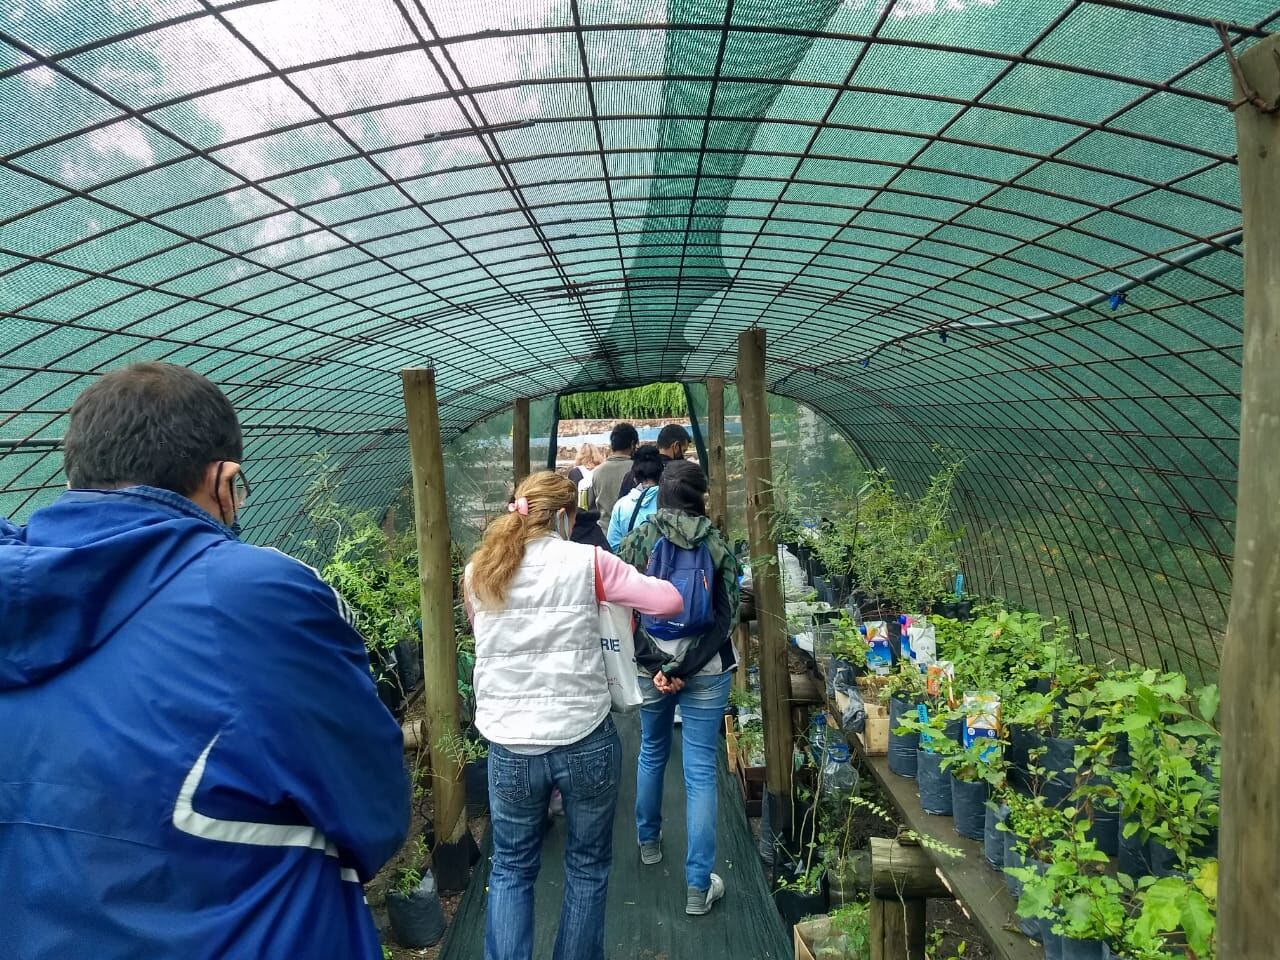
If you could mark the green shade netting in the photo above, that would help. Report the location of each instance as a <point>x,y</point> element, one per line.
<point>1007,229</point>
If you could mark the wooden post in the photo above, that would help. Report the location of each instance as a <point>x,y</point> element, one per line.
<point>897,929</point>
<point>520,440</point>
<point>770,612</point>
<point>1249,878</point>
<point>743,643</point>
<point>715,453</point>
<point>439,647</point>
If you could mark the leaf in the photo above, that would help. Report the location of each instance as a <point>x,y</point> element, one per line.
<point>1199,924</point>
<point>1206,880</point>
<point>1162,905</point>
<point>1146,704</point>
<point>1207,699</point>
<point>1191,728</point>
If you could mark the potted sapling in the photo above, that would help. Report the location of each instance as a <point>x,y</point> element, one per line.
<point>799,875</point>
<point>975,770</point>
<point>934,727</point>
<point>413,904</point>
<point>904,688</point>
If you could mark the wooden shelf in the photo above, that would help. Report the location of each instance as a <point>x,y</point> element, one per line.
<point>981,891</point>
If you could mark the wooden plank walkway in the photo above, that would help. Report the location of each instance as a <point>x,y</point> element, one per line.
<point>645,918</point>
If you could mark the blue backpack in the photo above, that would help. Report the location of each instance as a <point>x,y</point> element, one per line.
<point>692,573</point>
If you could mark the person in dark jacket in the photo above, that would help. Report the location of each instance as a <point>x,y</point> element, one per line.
<point>586,529</point>
<point>195,763</point>
<point>692,673</point>
<point>673,441</point>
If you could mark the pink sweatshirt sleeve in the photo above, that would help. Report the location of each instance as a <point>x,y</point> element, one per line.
<point>620,582</point>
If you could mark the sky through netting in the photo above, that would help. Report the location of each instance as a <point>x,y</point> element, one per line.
<point>1003,229</point>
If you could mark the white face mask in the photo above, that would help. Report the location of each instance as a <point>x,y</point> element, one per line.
<point>564,529</point>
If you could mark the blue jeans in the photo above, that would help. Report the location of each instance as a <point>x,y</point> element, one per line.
<point>702,703</point>
<point>587,774</point>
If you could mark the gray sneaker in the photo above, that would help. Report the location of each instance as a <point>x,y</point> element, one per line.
<point>700,901</point>
<point>651,851</point>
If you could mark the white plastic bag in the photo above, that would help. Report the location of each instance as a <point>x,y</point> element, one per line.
<point>617,643</point>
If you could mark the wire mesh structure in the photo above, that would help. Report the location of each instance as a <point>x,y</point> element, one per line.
<point>1002,228</point>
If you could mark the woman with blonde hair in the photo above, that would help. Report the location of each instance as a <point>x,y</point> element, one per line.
<point>589,457</point>
<point>542,702</point>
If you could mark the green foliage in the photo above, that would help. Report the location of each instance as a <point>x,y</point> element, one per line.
<point>905,683</point>
<point>373,570</point>
<point>744,699</point>
<point>410,875</point>
<point>933,730</point>
<point>847,643</point>
<point>651,402</point>
<point>849,934</point>
<point>462,749</point>
<point>901,548</point>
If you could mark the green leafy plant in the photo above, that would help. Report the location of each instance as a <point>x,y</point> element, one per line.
<point>905,683</point>
<point>751,745</point>
<point>902,548</point>
<point>744,699</point>
<point>983,760</point>
<point>1178,911</point>
<point>650,402</point>
<point>1072,887</point>
<point>462,749</point>
<point>847,642</point>
<point>933,729</point>
<point>409,877</point>
<point>848,935</point>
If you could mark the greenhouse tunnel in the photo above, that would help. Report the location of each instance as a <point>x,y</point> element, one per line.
<point>1002,231</point>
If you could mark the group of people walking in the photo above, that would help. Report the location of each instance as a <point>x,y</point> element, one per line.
<point>542,696</point>
<point>196,763</point>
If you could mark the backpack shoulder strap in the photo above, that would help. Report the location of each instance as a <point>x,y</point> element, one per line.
<point>636,512</point>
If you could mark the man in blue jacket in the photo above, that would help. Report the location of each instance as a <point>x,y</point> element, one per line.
<point>194,762</point>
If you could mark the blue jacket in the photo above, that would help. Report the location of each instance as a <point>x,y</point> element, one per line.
<point>626,517</point>
<point>194,762</point>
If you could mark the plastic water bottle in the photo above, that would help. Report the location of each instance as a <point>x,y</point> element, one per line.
<point>839,777</point>
<point>818,735</point>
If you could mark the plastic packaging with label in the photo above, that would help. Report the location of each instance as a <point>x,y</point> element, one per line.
<point>879,658</point>
<point>981,720</point>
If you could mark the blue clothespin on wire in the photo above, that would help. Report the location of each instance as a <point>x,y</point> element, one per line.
<point>866,362</point>
<point>1116,300</point>
<point>943,335</point>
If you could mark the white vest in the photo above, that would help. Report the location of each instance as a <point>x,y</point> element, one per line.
<point>539,677</point>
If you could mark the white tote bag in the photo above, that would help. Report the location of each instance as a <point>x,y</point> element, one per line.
<point>617,643</point>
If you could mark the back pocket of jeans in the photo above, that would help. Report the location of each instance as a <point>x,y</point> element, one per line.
<point>595,771</point>
<point>509,777</point>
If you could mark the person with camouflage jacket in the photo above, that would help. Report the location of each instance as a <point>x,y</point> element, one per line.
<point>692,673</point>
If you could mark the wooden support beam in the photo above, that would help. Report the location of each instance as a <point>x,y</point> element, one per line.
<point>520,440</point>
<point>742,639</point>
<point>900,871</point>
<point>715,453</point>
<point>439,647</point>
<point>770,612</point>
<point>897,929</point>
<point>1249,878</point>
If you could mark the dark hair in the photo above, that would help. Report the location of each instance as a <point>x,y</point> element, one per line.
<point>155,424</point>
<point>672,433</point>
<point>683,487</point>
<point>647,464</point>
<point>623,437</point>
